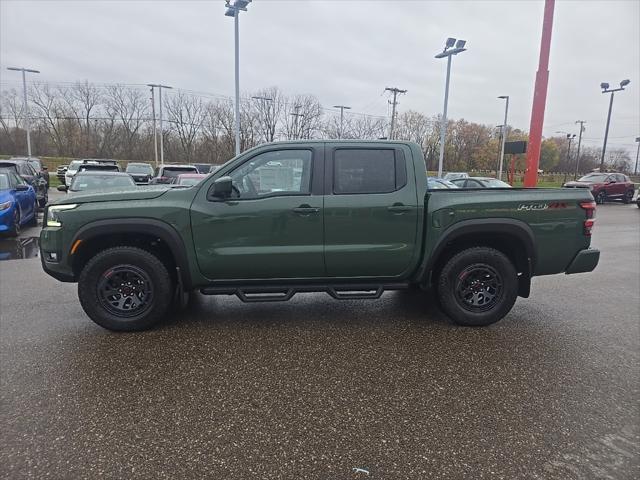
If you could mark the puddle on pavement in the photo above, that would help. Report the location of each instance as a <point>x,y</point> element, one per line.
<point>18,248</point>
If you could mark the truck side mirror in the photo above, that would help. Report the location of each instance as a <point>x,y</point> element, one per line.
<point>222,187</point>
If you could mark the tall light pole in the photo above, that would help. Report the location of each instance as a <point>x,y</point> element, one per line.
<point>570,138</point>
<point>635,170</point>
<point>159,86</point>
<point>155,132</point>
<point>342,109</point>
<point>504,133</point>
<point>581,122</point>
<point>233,10</point>
<point>452,47</point>
<point>27,119</point>
<point>605,89</point>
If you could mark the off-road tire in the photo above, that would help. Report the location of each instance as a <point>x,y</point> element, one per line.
<point>468,264</point>
<point>100,269</point>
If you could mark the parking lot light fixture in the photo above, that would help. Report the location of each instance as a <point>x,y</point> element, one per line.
<point>504,134</point>
<point>233,10</point>
<point>27,119</point>
<point>605,89</point>
<point>452,47</point>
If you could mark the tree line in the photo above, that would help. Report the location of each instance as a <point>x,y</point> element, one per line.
<point>86,120</point>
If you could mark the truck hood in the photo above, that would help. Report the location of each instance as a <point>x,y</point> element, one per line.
<point>128,193</point>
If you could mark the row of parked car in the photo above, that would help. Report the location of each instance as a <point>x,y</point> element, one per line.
<point>604,186</point>
<point>24,186</point>
<point>142,173</point>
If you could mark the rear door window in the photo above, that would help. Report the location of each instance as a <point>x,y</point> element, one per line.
<point>361,171</point>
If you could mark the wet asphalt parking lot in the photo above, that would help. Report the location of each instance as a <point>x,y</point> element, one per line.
<point>316,388</point>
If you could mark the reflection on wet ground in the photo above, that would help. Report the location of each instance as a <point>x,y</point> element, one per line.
<point>18,248</point>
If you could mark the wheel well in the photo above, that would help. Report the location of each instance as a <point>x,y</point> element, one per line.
<point>87,249</point>
<point>510,245</point>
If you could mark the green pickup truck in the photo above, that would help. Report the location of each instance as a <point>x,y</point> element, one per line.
<point>349,218</point>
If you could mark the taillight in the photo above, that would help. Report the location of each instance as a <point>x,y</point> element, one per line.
<point>590,213</point>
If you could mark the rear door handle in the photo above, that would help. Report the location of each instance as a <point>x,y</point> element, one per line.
<point>306,210</point>
<point>399,208</point>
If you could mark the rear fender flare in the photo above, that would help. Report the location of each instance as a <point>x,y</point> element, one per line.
<point>506,226</point>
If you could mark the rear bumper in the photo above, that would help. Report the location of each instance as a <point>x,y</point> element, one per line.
<point>584,261</point>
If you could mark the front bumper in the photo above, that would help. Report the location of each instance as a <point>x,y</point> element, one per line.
<point>584,261</point>
<point>51,242</point>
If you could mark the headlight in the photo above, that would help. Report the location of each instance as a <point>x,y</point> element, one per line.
<point>53,214</point>
<point>5,205</point>
<point>590,187</point>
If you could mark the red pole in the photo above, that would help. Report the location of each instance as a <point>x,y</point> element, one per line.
<point>539,98</point>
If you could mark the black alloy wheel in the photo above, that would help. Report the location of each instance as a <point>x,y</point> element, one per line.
<point>125,291</point>
<point>478,288</point>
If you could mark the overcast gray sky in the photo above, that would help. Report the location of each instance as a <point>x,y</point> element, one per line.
<point>346,52</point>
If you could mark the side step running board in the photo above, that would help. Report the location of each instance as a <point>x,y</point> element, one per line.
<point>282,293</point>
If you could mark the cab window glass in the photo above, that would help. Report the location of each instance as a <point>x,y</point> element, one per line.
<point>279,172</point>
<point>364,171</point>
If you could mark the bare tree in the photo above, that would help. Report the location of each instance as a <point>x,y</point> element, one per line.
<point>130,108</point>
<point>187,115</point>
<point>270,103</point>
<point>301,117</point>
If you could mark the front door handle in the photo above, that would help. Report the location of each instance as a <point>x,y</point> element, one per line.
<point>306,210</point>
<point>399,208</point>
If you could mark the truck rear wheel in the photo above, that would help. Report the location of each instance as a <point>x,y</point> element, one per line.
<point>478,286</point>
<point>125,289</point>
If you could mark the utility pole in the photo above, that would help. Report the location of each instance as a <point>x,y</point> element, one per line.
<point>395,92</point>
<point>295,120</point>
<point>570,138</point>
<point>155,132</point>
<point>27,119</point>
<point>581,122</point>
<point>342,109</point>
<point>160,87</point>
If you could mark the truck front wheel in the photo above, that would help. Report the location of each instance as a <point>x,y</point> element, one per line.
<point>125,289</point>
<point>478,286</point>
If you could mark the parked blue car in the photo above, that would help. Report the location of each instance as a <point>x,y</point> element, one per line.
<point>17,203</point>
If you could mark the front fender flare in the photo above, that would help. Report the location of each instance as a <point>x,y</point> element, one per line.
<point>149,226</point>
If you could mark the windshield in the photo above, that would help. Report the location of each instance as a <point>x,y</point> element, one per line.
<point>4,181</point>
<point>594,177</point>
<point>35,164</point>
<point>173,172</point>
<point>495,183</point>
<point>83,183</point>
<point>439,184</point>
<point>75,164</point>
<point>146,169</point>
<point>189,181</point>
